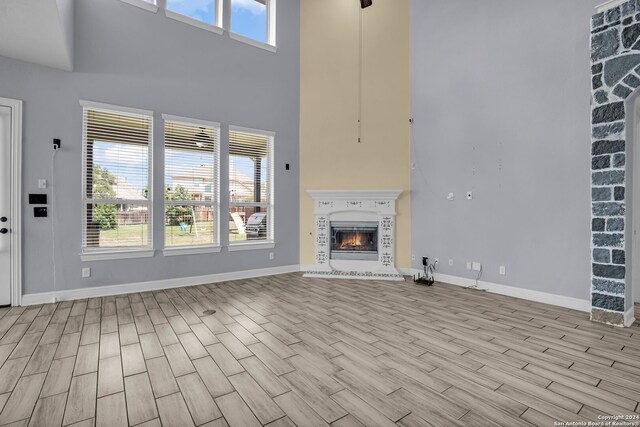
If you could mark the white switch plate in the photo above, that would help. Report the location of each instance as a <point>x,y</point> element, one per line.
<point>450,263</point>
<point>86,272</point>
<point>469,195</point>
<point>476,266</point>
<point>271,256</point>
<point>413,257</point>
<point>42,183</point>
<point>468,266</point>
<point>503,270</point>
<point>450,196</point>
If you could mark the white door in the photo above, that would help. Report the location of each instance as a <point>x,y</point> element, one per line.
<point>5,207</point>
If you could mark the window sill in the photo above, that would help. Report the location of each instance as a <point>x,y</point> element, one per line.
<point>253,42</point>
<point>251,246</point>
<point>191,250</point>
<point>187,20</point>
<point>110,255</point>
<point>142,5</point>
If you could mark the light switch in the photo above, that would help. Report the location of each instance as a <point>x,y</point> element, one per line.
<point>42,183</point>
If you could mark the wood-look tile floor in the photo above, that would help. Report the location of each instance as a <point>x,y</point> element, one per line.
<point>286,350</point>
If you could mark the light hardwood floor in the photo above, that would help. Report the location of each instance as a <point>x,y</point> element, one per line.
<point>285,350</point>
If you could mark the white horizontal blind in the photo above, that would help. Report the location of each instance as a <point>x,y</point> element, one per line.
<point>191,183</point>
<point>116,157</point>
<point>250,186</point>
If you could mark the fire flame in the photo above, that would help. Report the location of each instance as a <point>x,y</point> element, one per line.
<point>353,241</point>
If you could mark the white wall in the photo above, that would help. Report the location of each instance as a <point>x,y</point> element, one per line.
<point>501,106</point>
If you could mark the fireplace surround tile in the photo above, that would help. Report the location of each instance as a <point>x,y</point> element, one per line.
<point>352,206</point>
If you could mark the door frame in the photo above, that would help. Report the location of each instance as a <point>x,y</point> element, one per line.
<point>15,199</point>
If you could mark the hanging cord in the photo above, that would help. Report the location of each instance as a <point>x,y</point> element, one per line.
<point>53,227</point>
<point>360,76</point>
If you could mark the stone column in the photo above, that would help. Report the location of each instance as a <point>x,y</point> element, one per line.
<point>615,69</point>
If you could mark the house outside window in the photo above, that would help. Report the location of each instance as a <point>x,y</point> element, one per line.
<point>116,179</point>
<point>250,186</point>
<point>191,182</point>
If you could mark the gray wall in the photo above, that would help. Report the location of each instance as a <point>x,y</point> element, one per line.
<point>501,106</point>
<point>130,57</point>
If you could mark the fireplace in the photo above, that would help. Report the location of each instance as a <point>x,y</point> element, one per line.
<point>354,234</point>
<point>354,240</point>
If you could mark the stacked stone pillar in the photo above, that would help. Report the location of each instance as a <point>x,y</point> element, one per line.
<point>615,69</point>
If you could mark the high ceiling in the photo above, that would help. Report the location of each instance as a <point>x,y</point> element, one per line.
<point>39,31</point>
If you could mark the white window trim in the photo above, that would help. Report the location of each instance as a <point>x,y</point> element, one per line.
<point>189,121</point>
<point>194,22</point>
<point>243,246</point>
<point>101,254</point>
<point>196,249</point>
<point>107,255</point>
<point>270,241</point>
<point>271,22</point>
<point>115,108</point>
<point>191,250</point>
<point>271,134</point>
<point>252,42</point>
<point>151,7</point>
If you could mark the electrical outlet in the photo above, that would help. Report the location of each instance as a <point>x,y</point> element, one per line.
<point>437,260</point>
<point>450,197</point>
<point>413,257</point>
<point>450,263</point>
<point>469,195</point>
<point>42,183</point>
<point>271,256</point>
<point>503,270</point>
<point>468,266</point>
<point>476,266</point>
<point>86,272</point>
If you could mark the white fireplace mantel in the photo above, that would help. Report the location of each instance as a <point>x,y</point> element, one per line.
<point>355,205</point>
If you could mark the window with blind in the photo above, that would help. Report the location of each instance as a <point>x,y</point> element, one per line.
<point>250,185</point>
<point>116,181</point>
<point>191,182</point>
<point>254,19</point>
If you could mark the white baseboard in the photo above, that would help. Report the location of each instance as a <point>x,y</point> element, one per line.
<point>103,291</point>
<point>629,317</point>
<point>537,296</point>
